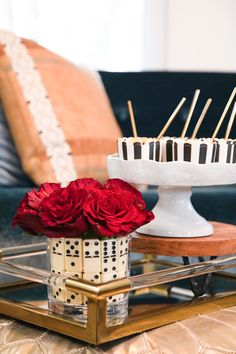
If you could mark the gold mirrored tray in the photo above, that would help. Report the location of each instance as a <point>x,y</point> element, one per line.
<point>157,298</point>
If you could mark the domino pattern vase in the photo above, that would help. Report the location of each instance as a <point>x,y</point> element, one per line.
<point>96,260</point>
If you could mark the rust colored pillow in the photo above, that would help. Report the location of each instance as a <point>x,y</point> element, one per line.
<point>59,115</point>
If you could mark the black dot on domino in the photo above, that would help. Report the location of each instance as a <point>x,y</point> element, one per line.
<point>68,300</point>
<point>105,269</point>
<point>76,275</point>
<point>113,259</point>
<point>121,243</point>
<point>113,268</point>
<point>72,247</point>
<point>114,300</point>
<point>54,296</point>
<point>113,242</point>
<point>76,252</point>
<point>73,297</point>
<point>72,264</point>
<point>114,276</point>
<point>60,241</point>
<point>110,297</point>
<point>105,253</point>
<point>67,251</point>
<point>126,249</point>
<point>54,248</point>
<point>96,243</point>
<point>105,243</point>
<point>96,252</point>
<point>59,290</point>
<point>67,242</point>
<point>86,243</point>
<point>57,244</point>
<point>76,243</point>
<point>113,252</point>
<point>105,248</point>
<point>57,293</point>
<point>96,276</point>
<point>87,253</point>
<point>105,260</point>
<point>113,247</point>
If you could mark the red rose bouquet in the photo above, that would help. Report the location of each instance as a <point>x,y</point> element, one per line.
<point>83,209</point>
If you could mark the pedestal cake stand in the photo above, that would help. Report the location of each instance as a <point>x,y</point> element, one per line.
<point>175,215</point>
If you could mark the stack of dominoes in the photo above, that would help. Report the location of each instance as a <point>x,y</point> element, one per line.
<point>183,149</point>
<point>96,260</point>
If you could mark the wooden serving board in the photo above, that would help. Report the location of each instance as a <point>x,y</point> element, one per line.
<point>222,242</point>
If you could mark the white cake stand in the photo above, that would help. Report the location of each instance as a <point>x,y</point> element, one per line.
<point>175,215</point>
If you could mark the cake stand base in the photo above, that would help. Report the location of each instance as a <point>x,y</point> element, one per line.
<point>175,215</point>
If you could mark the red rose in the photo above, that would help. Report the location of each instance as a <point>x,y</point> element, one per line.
<point>27,215</point>
<point>117,184</point>
<point>62,213</point>
<point>85,183</point>
<point>114,213</point>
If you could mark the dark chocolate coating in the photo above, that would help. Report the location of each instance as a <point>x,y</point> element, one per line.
<point>217,156</point>
<point>202,153</point>
<point>157,151</point>
<point>169,150</point>
<point>151,150</point>
<point>229,151</point>
<point>137,151</point>
<point>234,154</point>
<point>175,151</point>
<point>124,149</point>
<point>213,152</point>
<point>187,152</point>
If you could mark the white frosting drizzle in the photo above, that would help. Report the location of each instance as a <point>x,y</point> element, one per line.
<point>40,107</point>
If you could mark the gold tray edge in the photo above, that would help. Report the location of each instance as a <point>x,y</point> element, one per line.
<point>135,324</point>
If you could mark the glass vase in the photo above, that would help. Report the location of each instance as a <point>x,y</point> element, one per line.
<point>96,260</point>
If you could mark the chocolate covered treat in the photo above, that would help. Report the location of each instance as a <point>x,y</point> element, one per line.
<point>139,148</point>
<point>169,149</point>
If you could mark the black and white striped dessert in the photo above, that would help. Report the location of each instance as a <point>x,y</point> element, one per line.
<point>187,150</point>
<point>168,149</point>
<point>139,148</point>
<point>200,151</point>
<point>224,151</point>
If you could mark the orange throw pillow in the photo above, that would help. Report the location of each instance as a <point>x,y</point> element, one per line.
<point>59,115</point>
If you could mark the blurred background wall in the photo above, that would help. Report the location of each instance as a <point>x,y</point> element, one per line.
<point>130,35</point>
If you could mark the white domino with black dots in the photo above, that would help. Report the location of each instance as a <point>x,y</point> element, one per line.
<point>73,256</point>
<point>72,297</point>
<point>123,257</point>
<point>56,246</point>
<point>57,288</point>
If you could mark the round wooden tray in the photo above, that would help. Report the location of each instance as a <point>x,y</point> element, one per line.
<point>222,242</point>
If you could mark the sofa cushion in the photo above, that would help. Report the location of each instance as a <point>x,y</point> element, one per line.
<point>59,114</point>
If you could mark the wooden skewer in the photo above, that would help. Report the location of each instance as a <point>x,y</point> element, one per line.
<point>202,116</point>
<point>223,114</point>
<point>190,113</point>
<point>131,114</point>
<point>230,124</point>
<point>170,120</point>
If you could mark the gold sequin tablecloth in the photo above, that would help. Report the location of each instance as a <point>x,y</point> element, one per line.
<point>203,334</point>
